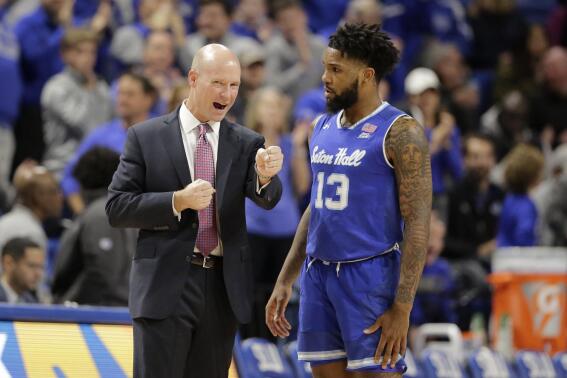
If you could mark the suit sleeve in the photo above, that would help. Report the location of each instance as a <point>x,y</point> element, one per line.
<point>268,197</point>
<point>128,204</point>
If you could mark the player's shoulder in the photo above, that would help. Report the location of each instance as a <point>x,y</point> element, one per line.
<point>406,124</point>
<point>323,121</point>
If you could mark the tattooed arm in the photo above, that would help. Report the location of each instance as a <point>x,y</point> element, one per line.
<point>407,150</point>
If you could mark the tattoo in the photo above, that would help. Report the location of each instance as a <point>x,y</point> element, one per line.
<point>408,150</point>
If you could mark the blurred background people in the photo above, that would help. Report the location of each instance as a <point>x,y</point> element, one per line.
<point>135,98</point>
<point>518,220</point>
<point>74,101</point>
<point>93,262</point>
<point>213,26</point>
<point>38,198</point>
<point>422,88</point>
<point>271,233</point>
<point>293,55</point>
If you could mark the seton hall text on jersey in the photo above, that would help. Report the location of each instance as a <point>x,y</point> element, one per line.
<point>342,157</point>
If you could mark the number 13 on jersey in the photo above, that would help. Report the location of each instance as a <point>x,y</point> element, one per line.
<point>340,182</point>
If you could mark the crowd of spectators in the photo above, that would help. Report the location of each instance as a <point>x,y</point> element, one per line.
<point>487,79</point>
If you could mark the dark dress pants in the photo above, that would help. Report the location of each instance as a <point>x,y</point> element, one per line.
<point>196,341</point>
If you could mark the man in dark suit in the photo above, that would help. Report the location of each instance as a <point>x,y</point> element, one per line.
<point>182,181</point>
<point>23,265</point>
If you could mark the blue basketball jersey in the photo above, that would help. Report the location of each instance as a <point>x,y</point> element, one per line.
<point>355,211</point>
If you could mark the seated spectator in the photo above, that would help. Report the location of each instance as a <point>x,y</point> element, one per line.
<point>294,55</point>
<point>523,171</point>
<point>422,87</point>
<point>37,199</point>
<point>93,262</point>
<point>73,101</point>
<point>434,297</point>
<point>213,26</point>
<point>23,263</point>
<point>136,95</point>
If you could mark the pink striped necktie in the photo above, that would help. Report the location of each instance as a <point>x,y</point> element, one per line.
<point>207,237</point>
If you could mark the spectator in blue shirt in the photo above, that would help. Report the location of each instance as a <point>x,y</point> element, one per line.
<point>523,171</point>
<point>324,13</point>
<point>446,21</point>
<point>136,96</point>
<point>39,35</point>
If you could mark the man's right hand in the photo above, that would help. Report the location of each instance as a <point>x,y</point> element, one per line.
<point>196,196</point>
<point>275,311</point>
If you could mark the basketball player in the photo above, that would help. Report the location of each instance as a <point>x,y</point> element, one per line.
<point>368,220</point>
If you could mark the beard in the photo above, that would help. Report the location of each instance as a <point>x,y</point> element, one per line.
<point>345,100</point>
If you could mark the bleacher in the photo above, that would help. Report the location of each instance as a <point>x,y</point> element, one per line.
<point>259,358</point>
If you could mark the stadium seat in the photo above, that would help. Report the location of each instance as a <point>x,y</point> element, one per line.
<point>302,369</point>
<point>438,363</point>
<point>259,358</point>
<point>485,363</point>
<point>560,362</point>
<point>440,336</point>
<point>414,369</point>
<point>534,365</point>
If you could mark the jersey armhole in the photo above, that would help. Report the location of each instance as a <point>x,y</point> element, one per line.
<point>386,135</point>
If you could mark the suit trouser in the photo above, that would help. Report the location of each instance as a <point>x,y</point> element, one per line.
<point>196,341</point>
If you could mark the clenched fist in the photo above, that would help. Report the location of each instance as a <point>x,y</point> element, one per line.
<point>196,196</point>
<point>268,163</point>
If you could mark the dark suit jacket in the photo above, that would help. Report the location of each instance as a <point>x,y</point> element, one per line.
<point>153,166</point>
<point>26,297</point>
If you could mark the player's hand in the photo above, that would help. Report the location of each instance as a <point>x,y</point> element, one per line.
<point>275,311</point>
<point>269,162</point>
<point>196,196</point>
<point>393,341</point>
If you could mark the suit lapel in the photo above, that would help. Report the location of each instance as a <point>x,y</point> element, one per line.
<point>173,143</point>
<point>228,144</point>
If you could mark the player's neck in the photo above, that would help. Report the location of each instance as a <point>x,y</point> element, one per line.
<point>361,109</point>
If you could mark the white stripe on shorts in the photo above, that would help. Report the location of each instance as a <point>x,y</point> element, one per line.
<point>320,356</point>
<point>365,362</point>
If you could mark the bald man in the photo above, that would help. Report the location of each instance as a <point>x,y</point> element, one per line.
<point>182,181</point>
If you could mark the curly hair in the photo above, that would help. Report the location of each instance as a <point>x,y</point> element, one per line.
<point>367,44</point>
<point>524,165</point>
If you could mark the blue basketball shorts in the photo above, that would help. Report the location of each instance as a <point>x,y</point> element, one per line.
<point>337,302</point>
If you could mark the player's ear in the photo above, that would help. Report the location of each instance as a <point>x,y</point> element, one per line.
<point>368,74</point>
